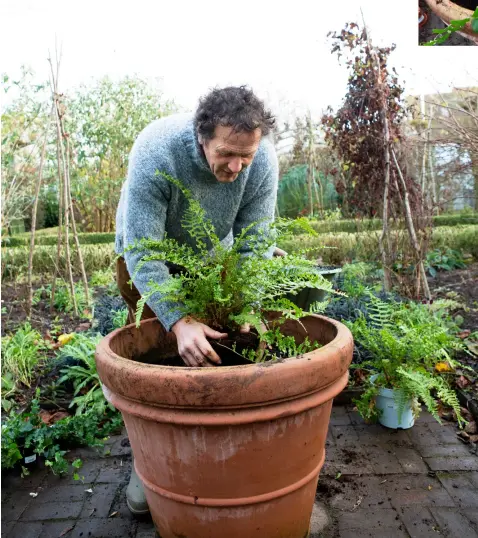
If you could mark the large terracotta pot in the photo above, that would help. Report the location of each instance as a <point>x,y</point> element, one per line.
<point>449,11</point>
<point>227,452</point>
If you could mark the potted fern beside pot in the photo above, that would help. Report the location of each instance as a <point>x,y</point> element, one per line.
<point>234,450</point>
<point>412,347</point>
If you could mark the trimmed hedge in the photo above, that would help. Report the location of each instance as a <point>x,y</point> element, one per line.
<point>363,246</point>
<point>50,239</point>
<point>348,246</point>
<point>15,260</point>
<point>363,225</point>
<point>48,236</point>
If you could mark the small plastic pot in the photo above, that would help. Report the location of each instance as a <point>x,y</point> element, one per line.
<point>422,18</point>
<point>386,402</point>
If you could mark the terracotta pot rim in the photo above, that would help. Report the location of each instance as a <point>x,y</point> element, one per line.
<point>220,415</point>
<point>104,345</point>
<point>228,386</point>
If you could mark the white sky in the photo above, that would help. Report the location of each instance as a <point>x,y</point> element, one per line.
<point>280,49</point>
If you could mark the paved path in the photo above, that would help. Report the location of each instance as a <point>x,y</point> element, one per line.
<point>376,482</point>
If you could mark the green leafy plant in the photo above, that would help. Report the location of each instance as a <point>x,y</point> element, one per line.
<point>105,279</point>
<point>63,297</point>
<point>455,26</point>
<point>8,391</point>
<point>101,278</point>
<point>53,391</point>
<point>120,318</point>
<point>86,382</point>
<point>445,259</point>
<point>56,327</point>
<point>223,288</point>
<point>411,352</point>
<point>21,354</point>
<point>25,434</point>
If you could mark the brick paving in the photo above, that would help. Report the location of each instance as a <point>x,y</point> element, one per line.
<point>376,482</point>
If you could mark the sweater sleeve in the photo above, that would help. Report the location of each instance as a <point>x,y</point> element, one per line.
<point>261,201</point>
<point>146,204</point>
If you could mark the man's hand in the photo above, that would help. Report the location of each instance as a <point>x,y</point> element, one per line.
<point>193,347</point>
<point>279,252</point>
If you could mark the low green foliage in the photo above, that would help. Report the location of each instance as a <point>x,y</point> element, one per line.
<point>223,288</point>
<point>21,354</point>
<point>407,343</point>
<point>439,259</point>
<point>120,317</point>
<point>357,278</point>
<point>9,388</point>
<point>102,277</point>
<point>445,259</point>
<point>25,434</point>
<point>63,296</point>
<point>88,394</point>
<point>366,404</point>
<point>106,280</point>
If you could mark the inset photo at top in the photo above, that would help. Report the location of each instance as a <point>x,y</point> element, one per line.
<point>447,23</point>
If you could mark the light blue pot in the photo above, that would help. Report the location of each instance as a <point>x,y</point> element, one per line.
<point>386,403</point>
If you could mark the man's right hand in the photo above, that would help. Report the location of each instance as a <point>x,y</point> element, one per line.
<point>193,346</point>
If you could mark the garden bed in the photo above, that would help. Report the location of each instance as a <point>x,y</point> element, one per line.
<point>459,289</point>
<point>462,286</point>
<point>458,286</point>
<point>51,398</point>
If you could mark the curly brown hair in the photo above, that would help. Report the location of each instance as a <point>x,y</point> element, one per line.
<point>234,106</point>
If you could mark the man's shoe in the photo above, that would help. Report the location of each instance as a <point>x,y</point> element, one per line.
<point>135,497</point>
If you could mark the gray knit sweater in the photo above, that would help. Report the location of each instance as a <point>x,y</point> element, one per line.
<point>150,205</point>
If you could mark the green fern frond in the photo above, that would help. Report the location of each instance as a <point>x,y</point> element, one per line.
<point>199,227</point>
<point>381,313</point>
<point>423,384</point>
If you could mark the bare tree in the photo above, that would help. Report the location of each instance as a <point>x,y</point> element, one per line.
<point>66,206</point>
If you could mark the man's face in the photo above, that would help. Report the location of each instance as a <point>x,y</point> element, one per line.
<point>229,152</point>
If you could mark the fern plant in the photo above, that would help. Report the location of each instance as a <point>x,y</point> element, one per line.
<point>407,342</point>
<point>88,394</point>
<point>224,288</point>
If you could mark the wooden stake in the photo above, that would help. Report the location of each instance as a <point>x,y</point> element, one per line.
<point>72,214</point>
<point>411,232</point>
<point>34,220</point>
<point>62,171</point>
